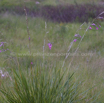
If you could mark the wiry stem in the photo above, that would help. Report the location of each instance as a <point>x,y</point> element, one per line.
<point>70,47</point>
<point>27,29</point>
<point>82,38</point>
<point>44,42</point>
<point>28,36</point>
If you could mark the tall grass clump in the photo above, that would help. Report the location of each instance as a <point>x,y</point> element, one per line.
<point>41,85</point>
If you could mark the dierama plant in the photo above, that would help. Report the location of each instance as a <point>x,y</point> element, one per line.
<point>42,86</point>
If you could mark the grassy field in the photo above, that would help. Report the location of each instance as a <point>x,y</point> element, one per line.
<point>88,63</point>
<point>48,2</point>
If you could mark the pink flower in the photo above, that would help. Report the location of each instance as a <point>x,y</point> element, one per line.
<point>77,35</point>
<point>99,26</point>
<point>75,40</point>
<point>90,28</point>
<point>0,50</point>
<point>31,62</point>
<point>93,24</point>
<point>96,28</point>
<point>1,45</point>
<point>50,45</point>
<point>100,17</point>
<point>2,75</point>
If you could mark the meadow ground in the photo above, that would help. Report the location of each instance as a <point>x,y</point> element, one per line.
<point>49,2</point>
<point>88,62</point>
